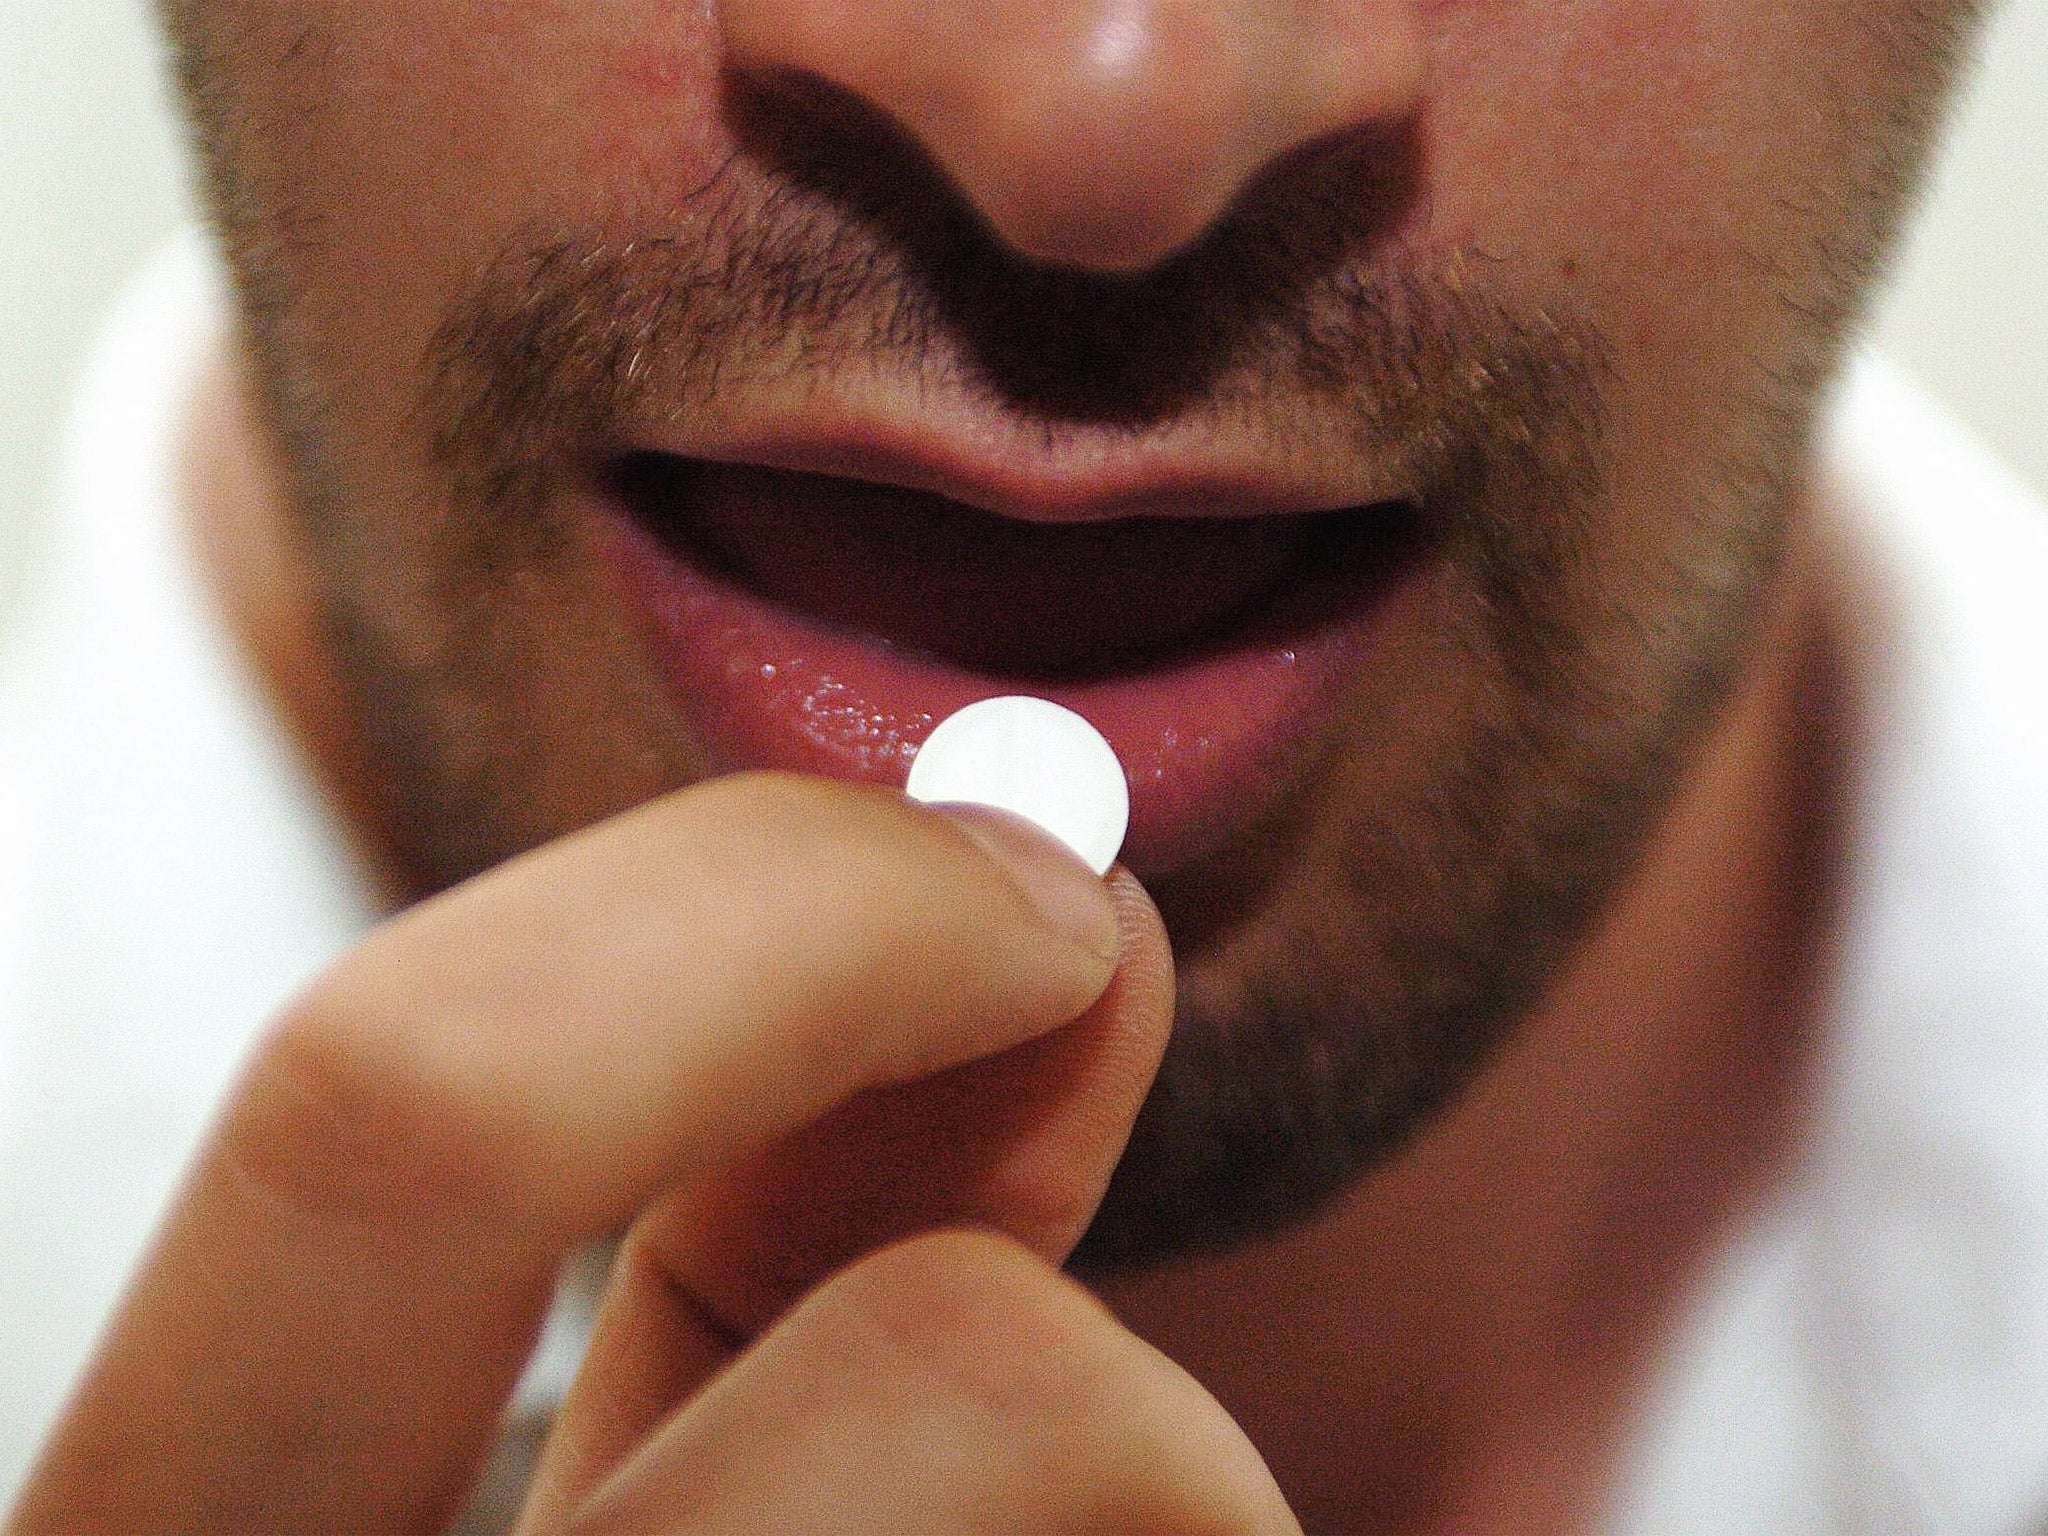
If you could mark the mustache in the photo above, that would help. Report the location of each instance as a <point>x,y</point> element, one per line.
<point>827,243</point>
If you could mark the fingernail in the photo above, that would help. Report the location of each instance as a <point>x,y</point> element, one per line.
<point>1074,900</point>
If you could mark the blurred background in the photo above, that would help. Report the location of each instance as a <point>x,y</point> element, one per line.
<point>91,179</point>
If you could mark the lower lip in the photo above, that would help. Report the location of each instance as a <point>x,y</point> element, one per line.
<point>1210,741</point>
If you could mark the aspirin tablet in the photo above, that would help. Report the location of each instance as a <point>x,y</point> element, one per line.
<point>1036,759</point>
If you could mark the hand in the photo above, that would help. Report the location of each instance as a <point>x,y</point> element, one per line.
<point>768,1025</point>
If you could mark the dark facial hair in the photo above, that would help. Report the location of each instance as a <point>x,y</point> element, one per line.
<point>1586,671</point>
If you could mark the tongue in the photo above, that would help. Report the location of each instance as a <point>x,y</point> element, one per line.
<point>993,593</point>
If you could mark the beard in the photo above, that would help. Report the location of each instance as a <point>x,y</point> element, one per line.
<point>1462,823</point>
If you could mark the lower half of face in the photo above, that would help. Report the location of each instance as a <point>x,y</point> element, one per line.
<point>1402,533</point>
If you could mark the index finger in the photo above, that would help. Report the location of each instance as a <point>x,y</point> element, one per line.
<point>344,1293</point>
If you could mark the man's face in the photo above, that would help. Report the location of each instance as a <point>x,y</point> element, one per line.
<point>1380,418</point>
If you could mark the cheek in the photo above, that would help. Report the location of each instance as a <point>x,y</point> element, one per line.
<point>1617,140</point>
<point>1698,175</point>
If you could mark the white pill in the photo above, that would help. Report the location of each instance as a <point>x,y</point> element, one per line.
<point>1033,758</point>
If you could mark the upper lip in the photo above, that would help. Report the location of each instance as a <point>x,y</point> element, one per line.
<point>1035,471</point>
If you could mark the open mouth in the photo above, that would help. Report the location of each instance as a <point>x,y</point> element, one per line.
<point>824,624</point>
<point>1051,601</point>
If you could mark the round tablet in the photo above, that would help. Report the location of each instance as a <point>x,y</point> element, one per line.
<point>1033,758</point>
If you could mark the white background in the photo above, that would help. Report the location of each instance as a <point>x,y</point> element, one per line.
<point>91,179</point>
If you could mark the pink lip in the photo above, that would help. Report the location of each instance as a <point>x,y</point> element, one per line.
<point>1024,474</point>
<point>1210,738</point>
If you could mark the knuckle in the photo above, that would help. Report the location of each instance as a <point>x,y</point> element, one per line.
<point>795,850</point>
<point>1077,1404</point>
<point>985,1322</point>
<point>1068,1414</point>
<point>768,794</point>
<point>759,812</point>
<point>345,1113</point>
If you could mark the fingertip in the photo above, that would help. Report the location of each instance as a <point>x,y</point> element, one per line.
<point>1145,967</point>
<point>1068,896</point>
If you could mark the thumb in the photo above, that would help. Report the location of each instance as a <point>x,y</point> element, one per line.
<point>1023,1142</point>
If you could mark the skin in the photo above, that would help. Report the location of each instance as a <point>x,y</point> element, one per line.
<point>824,1056</point>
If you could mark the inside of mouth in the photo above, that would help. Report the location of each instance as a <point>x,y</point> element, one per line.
<point>1032,600</point>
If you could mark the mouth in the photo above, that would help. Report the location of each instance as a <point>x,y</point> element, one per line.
<point>825,624</point>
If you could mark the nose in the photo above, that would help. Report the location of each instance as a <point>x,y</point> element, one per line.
<point>1099,134</point>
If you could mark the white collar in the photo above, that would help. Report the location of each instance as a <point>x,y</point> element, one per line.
<point>169,874</point>
<point>1872,1354</point>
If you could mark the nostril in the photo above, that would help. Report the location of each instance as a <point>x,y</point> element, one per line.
<point>825,173</point>
<point>1099,135</point>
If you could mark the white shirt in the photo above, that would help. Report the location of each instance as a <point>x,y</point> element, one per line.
<point>1870,1354</point>
<point>1873,1354</point>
